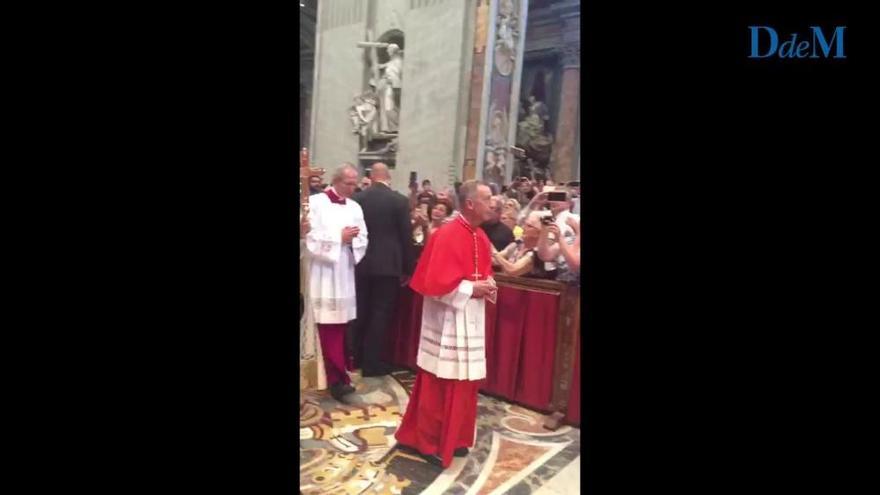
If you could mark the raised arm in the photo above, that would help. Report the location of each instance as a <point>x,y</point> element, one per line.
<point>548,249</point>
<point>519,267</point>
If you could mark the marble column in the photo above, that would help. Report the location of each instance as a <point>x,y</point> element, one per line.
<point>481,29</point>
<point>564,161</point>
<point>499,103</point>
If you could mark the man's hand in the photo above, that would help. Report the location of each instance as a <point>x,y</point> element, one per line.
<point>538,201</point>
<point>349,233</point>
<point>483,288</point>
<point>420,219</point>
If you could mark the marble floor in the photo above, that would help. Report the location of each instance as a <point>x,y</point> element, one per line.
<point>350,448</point>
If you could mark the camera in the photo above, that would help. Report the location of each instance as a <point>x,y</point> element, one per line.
<point>548,220</point>
<point>556,197</point>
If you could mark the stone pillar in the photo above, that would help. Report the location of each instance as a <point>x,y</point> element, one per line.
<point>499,103</point>
<point>481,30</point>
<point>305,118</point>
<point>564,159</point>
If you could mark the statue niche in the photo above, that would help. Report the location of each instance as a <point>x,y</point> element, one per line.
<point>532,136</point>
<point>375,113</point>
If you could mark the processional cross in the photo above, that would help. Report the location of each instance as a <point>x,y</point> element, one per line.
<point>305,173</point>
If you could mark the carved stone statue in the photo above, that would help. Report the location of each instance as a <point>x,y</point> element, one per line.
<point>532,136</point>
<point>530,131</point>
<point>494,167</point>
<point>379,114</point>
<point>363,115</point>
<point>497,128</point>
<point>507,33</point>
<point>389,89</point>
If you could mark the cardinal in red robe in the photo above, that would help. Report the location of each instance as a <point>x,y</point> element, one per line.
<point>454,274</point>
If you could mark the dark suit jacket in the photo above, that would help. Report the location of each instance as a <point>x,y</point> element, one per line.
<point>389,232</point>
<point>499,234</point>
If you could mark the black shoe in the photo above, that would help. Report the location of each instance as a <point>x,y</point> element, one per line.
<point>340,390</point>
<point>407,449</point>
<point>461,452</point>
<point>433,459</point>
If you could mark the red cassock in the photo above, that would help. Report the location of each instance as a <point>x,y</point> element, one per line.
<point>442,413</point>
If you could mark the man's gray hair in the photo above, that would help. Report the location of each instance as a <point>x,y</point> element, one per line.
<point>468,190</point>
<point>339,172</point>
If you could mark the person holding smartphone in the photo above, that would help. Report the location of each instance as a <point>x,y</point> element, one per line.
<point>558,201</point>
<point>440,214</point>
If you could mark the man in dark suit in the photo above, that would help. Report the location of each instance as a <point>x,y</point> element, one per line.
<point>387,263</point>
<point>499,234</point>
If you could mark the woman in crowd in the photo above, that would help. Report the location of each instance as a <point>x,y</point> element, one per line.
<point>509,217</point>
<point>428,217</point>
<point>420,223</point>
<point>552,245</point>
<point>440,214</point>
<point>571,253</point>
<point>521,258</point>
<point>512,204</point>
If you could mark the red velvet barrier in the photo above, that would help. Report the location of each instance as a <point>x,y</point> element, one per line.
<point>538,317</point>
<point>403,337</point>
<point>504,332</point>
<point>520,343</point>
<point>573,414</point>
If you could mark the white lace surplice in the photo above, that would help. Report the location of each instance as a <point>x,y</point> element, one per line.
<point>309,345</point>
<point>453,339</point>
<point>331,274</point>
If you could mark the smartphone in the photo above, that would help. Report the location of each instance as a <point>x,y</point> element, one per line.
<point>367,173</point>
<point>413,178</point>
<point>556,196</point>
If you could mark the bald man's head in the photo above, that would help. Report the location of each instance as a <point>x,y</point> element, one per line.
<point>379,171</point>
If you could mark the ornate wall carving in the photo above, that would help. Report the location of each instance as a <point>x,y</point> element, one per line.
<point>504,47</point>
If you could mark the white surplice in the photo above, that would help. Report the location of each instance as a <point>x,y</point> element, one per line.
<point>453,339</point>
<point>311,356</point>
<point>331,274</point>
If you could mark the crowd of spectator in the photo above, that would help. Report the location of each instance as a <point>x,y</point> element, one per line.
<point>531,235</point>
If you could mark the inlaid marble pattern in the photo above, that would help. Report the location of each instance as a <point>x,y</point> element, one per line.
<point>349,448</point>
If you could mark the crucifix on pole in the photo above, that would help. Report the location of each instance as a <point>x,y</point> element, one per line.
<point>374,58</point>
